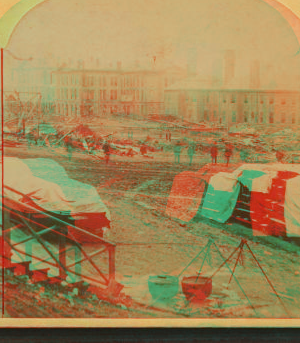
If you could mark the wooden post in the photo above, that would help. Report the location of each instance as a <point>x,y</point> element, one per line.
<point>77,257</point>
<point>28,246</point>
<point>62,253</point>
<point>6,239</point>
<point>23,126</point>
<point>112,264</point>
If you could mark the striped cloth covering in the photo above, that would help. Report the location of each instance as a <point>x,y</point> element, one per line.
<point>273,198</point>
<point>213,192</point>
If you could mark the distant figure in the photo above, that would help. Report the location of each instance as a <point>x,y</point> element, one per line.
<point>30,139</point>
<point>130,153</point>
<point>177,150</point>
<point>69,147</point>
<point>106,149</point>
<point>190,152</point>
<point>228,153</point>
<point>130,133</point>
<point>214,153</point>
<point>143,150</point>
<point>168,135</point>
<point>280,156</point>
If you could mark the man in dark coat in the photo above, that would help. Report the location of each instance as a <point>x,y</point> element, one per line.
<point>177,150</point>
<point>214,153</point>
<point>168,135</point>
<point>191,152</point>
<point>106,149</point>
<point>69,146</point>
<point>228,153</point>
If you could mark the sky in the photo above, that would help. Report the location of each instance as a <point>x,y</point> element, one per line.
<point>168,31</point>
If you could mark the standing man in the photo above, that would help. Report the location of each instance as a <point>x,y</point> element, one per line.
<point>130,133</point>
<point>214,153</point>
<point>177,151</point>
<point>143,150</point>
<point>280,156</point>
<point>69,147</point>
<point>228,153</point>
<point>30,139</point>
<point>191,151</point>
<point>106,149</point>
<point>168,135</point>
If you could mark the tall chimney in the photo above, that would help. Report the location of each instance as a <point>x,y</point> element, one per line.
<point>97,63</point>
<point>119,65</point>
<point>229,66</point>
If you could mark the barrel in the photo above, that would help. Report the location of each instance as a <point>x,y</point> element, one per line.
<point>196,288</point>
<point>163,286</point>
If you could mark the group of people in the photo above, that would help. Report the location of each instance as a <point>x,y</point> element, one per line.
<point>168,136</point>
<point>190,151</point>
<point>214,151</point>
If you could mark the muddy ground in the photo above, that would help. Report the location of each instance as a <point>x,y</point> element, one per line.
<point>150,243</point>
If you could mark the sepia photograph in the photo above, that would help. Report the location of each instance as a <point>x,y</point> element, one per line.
<point>150,163</point>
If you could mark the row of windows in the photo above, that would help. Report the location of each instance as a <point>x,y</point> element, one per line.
<point>103,81</point>
<point>65,80</point>
<point>75,109</point>
<point>88,95</point>
<point>233,99</point>
<point>92,80</point>
<point>135,95</point>
<point>63,108</point>
<point>63,93</point>
<point>133,81</point>
<point>254,117</point>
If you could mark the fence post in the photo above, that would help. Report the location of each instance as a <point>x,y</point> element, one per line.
<point>112,265</point>
<point>62,252</point>
<point>77,265</point>
<point>7,238</point>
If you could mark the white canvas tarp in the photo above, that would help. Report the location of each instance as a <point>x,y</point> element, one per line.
<point>48,185</point>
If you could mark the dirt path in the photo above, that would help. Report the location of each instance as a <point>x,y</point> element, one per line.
<point>149,243</point>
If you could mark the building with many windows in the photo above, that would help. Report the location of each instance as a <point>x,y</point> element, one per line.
<point>199,100</point>
<point>113,90</point>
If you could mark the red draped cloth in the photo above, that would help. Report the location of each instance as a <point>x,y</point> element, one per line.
<point>267,209</point>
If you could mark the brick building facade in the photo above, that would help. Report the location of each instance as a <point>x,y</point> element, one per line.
<point>233,106</point>
<point>105,91</point>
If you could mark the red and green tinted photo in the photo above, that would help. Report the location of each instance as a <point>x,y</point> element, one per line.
<point>150,160</point>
